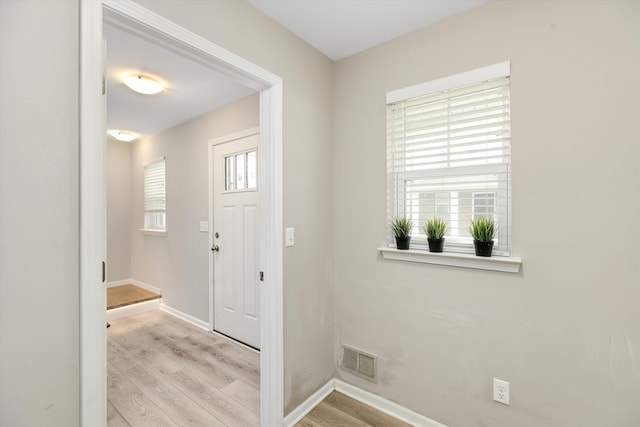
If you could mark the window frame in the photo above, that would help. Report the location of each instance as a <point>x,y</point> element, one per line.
<point>397,180</point>
<point>150,216</point>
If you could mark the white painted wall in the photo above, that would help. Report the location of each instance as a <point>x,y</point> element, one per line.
<point>39,283</point>
<point>178,263</point>
<point>565,331</point>
<point>118,210</point>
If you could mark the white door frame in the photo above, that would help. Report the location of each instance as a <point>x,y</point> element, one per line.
<point>93,383</point>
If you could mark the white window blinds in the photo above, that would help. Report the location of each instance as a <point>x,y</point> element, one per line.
<point>448,156</point>
<point>155,195</point>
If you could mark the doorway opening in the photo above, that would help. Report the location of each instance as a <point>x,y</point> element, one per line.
<point>92,204</point>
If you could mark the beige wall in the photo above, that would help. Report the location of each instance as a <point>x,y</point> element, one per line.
<point>308,174</point>
<point>565,331</point>
<point>178,263</point>
<point>39,308</point>
<point>118,210</point>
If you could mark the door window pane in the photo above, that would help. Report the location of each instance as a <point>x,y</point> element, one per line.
<point>252,169</point>
<point>241,171</point>
<point>229,174</point>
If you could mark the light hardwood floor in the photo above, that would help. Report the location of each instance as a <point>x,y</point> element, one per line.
<point>162,371</point>
<point>123,295</point>
<point>340,410</point>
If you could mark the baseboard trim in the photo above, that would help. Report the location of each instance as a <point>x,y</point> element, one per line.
<point>134,282</point>
<point>305,407</point>
<point>383,405</point>
<point>132,310</point>
<point>119,283</point>
<point>184,316</point>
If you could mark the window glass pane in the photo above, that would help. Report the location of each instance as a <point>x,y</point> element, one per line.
<point>483,205</point>
<point>229,174</point>
<point>240,172</point>
<point>252,163</point>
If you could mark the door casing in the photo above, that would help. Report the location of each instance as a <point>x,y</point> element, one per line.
<point>93,382</point>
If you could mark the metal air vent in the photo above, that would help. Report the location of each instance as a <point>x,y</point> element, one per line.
<point>359,363</point>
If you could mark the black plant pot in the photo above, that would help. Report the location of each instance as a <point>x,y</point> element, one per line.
<point>483,248</point>
<point>435,245</point>
<point>403,242</point>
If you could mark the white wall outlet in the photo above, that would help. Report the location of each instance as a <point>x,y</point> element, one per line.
<point>289,239</point>
<point>501,391</point>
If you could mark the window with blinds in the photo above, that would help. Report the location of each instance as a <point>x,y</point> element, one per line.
<point>155,203</point>
<point>448,155</point>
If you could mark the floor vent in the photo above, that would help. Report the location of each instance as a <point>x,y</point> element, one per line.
<point>360,363</point>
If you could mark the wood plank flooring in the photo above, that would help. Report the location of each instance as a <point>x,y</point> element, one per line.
<point>338,410</point>
<point>162,371</point>
<point>120,296</point>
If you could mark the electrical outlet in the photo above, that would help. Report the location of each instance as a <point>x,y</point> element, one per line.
<point>501,391</point>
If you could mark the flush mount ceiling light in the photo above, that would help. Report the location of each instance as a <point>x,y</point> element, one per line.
<point>143,84</point>
<point>122,135</point>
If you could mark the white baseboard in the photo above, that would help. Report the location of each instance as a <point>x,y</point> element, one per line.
<point>381,404</point>
<point>305,407</point>
<point>184,316</point>
<point>119,283</point>
<point>132,310</point>
<point>134,282</point>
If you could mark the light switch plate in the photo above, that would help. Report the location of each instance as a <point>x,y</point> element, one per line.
<point>289,239</point>
<point>204,226</point>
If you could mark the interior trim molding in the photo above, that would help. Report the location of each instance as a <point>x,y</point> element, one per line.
<point>92,252</point>
<point>453,259</point>
<point>373,400</point>
<point>132,309</point>
<point>383,405</point>
<point>305,407</point>
<point>92,344</point>
<point>235,136</point>
<point>184,316</point>
<point>138,283</point>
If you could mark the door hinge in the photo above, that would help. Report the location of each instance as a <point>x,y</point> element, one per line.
<point>104,271</point>
<point>262,276</point>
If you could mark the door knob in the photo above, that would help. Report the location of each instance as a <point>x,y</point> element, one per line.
<point>215,248</point>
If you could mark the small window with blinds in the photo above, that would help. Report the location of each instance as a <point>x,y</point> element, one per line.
<point>449,155</point>
<point>155,203</point>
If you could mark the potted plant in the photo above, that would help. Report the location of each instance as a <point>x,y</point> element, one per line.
<point>435,229</point>
<point>483,230</point>
<point>401,228</point>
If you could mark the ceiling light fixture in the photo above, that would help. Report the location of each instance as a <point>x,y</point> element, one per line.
<point>143,84</point>
<point>122,135</point>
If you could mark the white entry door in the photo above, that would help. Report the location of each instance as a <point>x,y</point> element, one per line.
<point>235,240</point>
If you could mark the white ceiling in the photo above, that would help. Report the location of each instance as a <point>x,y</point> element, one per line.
<point>192,89</point>
<point>340,28</point>
<point>337,28</point>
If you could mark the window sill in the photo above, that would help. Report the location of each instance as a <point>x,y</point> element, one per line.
<point>494,263</point>
<point>161,233</point>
